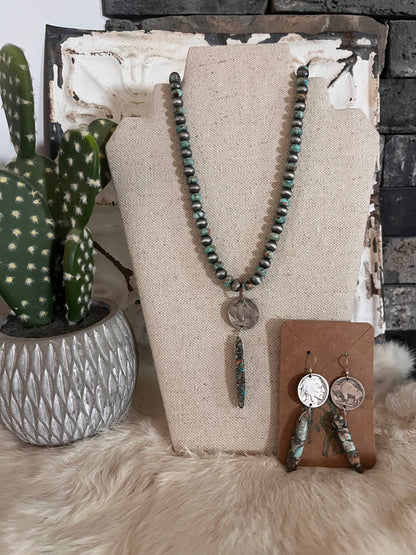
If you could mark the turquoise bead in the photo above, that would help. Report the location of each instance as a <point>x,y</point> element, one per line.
<point>284,202</point>
<point>199,214</point>
<point>227,281</point>
<point>288,184</point>
<point>303,81</point>
<point>248,285</point>
<point>294,148</point>
<point>209,249</point>
<point>184,144</point>
<point>204,231</point>
<point>274,236</point>
<point>179,111</point>
<point>192,179</point>
<point>296,131</point>
<point>176,93</point>
<point>291,166</point>
<point>218,265</point>
<point>195,196</point>
<point>269,255</point>
<point>280,219</point>
<point>188,162</point>
<point>261,271</point>
<point>298,114</point>
<point>182,127</point>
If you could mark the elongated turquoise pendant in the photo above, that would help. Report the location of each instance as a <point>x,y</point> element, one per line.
<point>341,426</point>
<point>240,372</point>
<point>297,441</point>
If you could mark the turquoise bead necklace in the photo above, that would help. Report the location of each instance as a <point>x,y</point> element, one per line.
<point>243,313</point>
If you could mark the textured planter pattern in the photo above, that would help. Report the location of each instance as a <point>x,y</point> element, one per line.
<point>58,390</point>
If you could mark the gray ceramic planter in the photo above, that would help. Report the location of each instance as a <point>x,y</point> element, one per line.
<point>57,390</point>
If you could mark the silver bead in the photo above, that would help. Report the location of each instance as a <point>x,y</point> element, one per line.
<point>300,106</point>
<point>277,228</point>
<point>295,141</point>
<point>289,175</point>
<point>302,71</point>
<point>256,279</point>
<point>292,158</point>
<point>194,188</point>
<point>206,240</point>
<point>212,257</point>
<point>302,89</point>
<point>264,263</point>
<point>188,170</point>
<point>196,205</point>
<point>271,246</point>
<point>201,223</point>
<point>186,153</point>
<point>235,285</point>
<point>177,102</point>
<point>297,123</point>
<point>282,211</point>
<point>175,85</point>
<point>183,136</point>
<point>286,193</point>
<point>221,273</point>
<point>180,119</point>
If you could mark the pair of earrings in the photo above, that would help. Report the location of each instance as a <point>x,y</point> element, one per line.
<point>346,392</point>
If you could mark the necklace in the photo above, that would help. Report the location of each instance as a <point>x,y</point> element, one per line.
<point>243,313</point>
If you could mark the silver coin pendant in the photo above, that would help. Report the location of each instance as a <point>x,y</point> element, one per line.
<point>347,393</point>
<point>313,390</point>
<point>243,314</point>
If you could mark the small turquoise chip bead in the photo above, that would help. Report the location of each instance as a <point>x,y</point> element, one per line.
<point>181,127</point>
<point>209,249</point>
<point>298,114</point>
<point>195,196</point>
<point>184,144</point>
<point>302,81</point>
<point>294,148</point>
<point>188,162</point>
<point>287,183</point>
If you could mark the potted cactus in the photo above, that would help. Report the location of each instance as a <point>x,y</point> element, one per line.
<point>67,362</point>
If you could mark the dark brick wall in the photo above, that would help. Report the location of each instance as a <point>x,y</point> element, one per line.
<point>397,107</point>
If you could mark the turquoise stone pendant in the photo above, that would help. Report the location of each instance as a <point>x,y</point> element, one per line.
<point>341,426</point>
<point>240,372</point>
<point>297,441</point>
<point>242,314</point>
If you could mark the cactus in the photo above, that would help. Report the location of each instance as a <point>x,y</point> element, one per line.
<point>59,198</point>
<point>26,240</point>
<point>79,176</point>
<point>17,95</point>
<point>79,268</point>
<point>101,130</point>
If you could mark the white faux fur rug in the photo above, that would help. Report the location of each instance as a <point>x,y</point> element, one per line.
<point>126,492</point>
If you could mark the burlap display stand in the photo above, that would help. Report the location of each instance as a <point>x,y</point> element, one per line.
<point>239,105</point>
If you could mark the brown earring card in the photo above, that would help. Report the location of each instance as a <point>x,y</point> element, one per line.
<point>327,341</point>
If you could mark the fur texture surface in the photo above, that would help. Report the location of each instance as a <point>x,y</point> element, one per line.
<point>127,492</point>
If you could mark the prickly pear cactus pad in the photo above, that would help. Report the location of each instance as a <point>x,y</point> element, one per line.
<point>41,172</point>
<point>17,96</point>
<point>26,240</point>
<point>78,273</point>
<point>79,176</point>
<point>101,130</point>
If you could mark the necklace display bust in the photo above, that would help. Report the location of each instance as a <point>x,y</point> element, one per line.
<point>239,104</point>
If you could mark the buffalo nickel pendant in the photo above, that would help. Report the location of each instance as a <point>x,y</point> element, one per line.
<point>313,390</point>
<point>347,393</point>
<point>243,314</point>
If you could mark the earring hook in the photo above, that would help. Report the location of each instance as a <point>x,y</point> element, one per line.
<point>308,364</point>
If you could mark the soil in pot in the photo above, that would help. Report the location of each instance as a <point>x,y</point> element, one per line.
<point>59,326</point>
